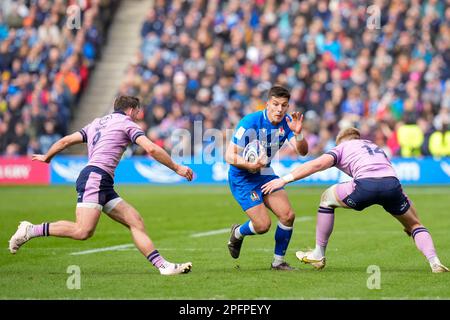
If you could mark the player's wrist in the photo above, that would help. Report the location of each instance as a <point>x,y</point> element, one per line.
<point>288,178</point>
<point>299,137</point>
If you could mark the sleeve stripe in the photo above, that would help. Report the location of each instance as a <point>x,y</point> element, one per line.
<point>137,135</point>
<point>83,133</point>
<point>334,156</point>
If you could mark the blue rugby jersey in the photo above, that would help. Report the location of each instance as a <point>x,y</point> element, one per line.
<point>257,126</point>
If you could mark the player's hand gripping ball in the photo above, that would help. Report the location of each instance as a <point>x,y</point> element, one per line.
<point>252,151</point>
<point>255,152</point>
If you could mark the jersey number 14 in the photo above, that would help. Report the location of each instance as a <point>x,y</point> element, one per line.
<point>373,151</point>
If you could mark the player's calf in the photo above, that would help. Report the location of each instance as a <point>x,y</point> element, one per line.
<point>325,223</point>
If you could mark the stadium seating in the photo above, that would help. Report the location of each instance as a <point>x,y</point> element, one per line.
<point>214,61</point>
<point>45,67</point>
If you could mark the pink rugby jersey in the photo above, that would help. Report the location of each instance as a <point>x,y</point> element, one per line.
<point>362,159</point>
<point>107,138</point>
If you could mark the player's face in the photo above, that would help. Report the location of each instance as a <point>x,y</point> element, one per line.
<point>133,113</point>
<point>277,108</point>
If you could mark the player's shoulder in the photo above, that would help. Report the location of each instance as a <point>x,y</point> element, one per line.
<point>121,119</point>
<point>356,144</point>
<point>370,142</point>
<point>252,118</point>
<point>346,146</point>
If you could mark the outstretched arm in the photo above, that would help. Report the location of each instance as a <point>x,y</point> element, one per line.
<point>160,155</point>
<point>296,125</point>
<point>58,146</point>
<point>323,162</point>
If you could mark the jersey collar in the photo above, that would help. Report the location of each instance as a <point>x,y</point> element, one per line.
<point>265,115</point>
<point>121,112</point>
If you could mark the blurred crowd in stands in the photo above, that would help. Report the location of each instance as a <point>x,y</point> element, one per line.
<point>46,56</point>
<point>387,74</point>
<point>382,66</point>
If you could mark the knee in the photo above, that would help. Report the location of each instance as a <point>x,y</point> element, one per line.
<point>288,219</point>
<point>262,226</point>
<point>136,222</point>
<point>83,234</point>
<point>328,199</point>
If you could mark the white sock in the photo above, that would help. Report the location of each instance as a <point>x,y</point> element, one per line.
<point>319,252</point>
<point>277,260</point>
<point>237,233</point>
<point>434,260</point>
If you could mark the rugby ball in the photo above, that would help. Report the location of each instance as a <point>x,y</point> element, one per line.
<point>253,151</point>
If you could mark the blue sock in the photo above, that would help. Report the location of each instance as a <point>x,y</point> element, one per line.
<point>282,237</point>
<point>246,229</point>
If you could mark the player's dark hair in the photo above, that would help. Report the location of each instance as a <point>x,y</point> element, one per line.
<point>279,92</point>
<point>124,102</point>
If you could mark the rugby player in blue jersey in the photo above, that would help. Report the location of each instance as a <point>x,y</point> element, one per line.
<point>272,127</point>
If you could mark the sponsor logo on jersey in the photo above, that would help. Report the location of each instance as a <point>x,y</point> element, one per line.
<point>105,119</point>
<point>239,133</point>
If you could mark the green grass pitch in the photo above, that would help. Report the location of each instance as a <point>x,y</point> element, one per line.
<point>175,216</point>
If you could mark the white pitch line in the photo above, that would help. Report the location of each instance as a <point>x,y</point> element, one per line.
<point>305,218</point>
<point>194,235</point>
<point>210,233</point>
<point>220,231</point>
<point>113,248</point>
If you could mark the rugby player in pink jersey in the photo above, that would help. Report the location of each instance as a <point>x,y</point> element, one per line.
<point>107,138</point>
<point>374,182</point>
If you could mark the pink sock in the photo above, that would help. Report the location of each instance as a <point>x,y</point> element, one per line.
<point>424,243</point>
<point>39,230</point>
<point>156,259</point>
<point>324,226</point>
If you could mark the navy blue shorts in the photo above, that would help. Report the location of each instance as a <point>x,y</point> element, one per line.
<point>95,186</point>
<point>386,192</point>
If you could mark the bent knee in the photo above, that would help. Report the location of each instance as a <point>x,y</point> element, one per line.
<point>329,198</point>
<point>83,234</point>
<point>137,222</point>
<point>262,226</point>
<point>288,218</point>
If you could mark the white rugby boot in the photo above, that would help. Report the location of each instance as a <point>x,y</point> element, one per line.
<point>438,268</point>
<point>175,268</point>
<point>21,236</point>
<point>308,258</point>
